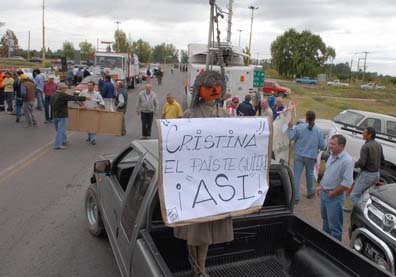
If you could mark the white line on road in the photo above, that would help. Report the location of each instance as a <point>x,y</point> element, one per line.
<point>19,165</point>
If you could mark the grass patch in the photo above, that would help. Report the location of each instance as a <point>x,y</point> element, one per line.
<point>327,106</point>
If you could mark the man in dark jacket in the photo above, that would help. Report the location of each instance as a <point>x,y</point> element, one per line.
<point>245,108</point>
<point>371,157</point>
<point>108,93</point>
<point>59,104</point>
<point>18,96</point>
<point>121,103</point>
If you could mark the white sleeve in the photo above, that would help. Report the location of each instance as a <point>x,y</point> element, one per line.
<point>100,100</point>
<point>121,101</point>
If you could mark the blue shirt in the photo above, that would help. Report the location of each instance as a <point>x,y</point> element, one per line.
<point>108,90</point>
<point>339,172</point>
<point>39,82</point>
<point>307,142</point>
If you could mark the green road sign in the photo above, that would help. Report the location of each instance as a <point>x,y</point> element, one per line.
<point>258,78</point>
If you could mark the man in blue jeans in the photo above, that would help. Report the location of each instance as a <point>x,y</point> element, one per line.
<point>308,140</point>
<point>337,178</point>
<point>371,157</point>
<point>59,103</point>
<point>39,79</point>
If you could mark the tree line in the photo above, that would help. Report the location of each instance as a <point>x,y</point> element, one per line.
<point>161,53</point>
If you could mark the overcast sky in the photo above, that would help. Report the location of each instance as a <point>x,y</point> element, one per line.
<point>349,26</point>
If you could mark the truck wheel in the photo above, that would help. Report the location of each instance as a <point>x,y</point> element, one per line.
<point>387,178</point>
<point>94,219</point>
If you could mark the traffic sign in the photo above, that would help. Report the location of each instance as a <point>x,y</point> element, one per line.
<point>258,78</point>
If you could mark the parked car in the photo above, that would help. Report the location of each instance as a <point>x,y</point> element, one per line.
<point>337,83</point>
<point>273,87</point>
<point>123,202</point>
<point>84,83</point>
<point>373,226</point>
<point>307,80</point>
<point>371,86</point>
<point>16,58</point>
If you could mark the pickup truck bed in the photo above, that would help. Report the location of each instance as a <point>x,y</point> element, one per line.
<point>279,245</point>
<point>272,248</point>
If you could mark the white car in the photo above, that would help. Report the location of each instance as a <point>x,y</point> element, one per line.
<point>337,83</point>
<point>371,86</point>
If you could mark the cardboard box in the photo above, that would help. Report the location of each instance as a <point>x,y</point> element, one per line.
<point>95,121</point>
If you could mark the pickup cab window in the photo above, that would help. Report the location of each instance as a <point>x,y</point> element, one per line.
<point>371,122</point>
<point>391,128</point>
<point>135,197</point>
<point>123,169</point>
<point>348,118</point>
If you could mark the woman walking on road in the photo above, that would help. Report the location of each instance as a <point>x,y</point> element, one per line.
<point>308,140</point>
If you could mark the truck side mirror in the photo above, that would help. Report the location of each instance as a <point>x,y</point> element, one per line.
<point>102,166</point>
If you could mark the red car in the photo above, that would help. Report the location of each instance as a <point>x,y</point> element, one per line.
<point>272,87</point>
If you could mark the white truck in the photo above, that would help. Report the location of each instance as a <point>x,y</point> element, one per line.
<point>121,66</point>
<point>351,123</point>
<point>371,86</point>
<point>337,83</point>
<point>239,78</point>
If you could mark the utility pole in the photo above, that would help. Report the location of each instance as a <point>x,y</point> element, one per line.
<point>230,2</point>
<point>251,29</point>
<point>364,66</point>
<point>212,6</point>
<point>28,53</point>
<point>358,68</point>
<point>239,41</point>
<point>43,53</point>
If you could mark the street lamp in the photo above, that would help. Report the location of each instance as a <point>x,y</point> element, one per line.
<point>251,29</point>
<point>239,42</point>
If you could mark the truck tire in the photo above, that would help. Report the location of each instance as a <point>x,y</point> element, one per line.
<point>94,219</point>
<point>387,178</point>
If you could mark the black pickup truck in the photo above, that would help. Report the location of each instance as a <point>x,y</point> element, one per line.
<point>123,202</point>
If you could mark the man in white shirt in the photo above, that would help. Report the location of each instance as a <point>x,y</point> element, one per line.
<point>96,102</point>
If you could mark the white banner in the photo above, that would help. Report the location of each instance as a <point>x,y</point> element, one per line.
<point>212,168</point>
<point>281,145</point>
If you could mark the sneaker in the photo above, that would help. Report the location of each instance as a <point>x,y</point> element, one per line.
<point>311,195</point>
<point>65,143</point>
<point>17,120</point>
<point>60,148</point>
<point>93,142</point>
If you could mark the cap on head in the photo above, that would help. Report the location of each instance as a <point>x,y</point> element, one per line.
<point>235,99</point>
<point>24,77</point>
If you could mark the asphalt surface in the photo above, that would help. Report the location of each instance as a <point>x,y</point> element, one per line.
<point>42,223</point>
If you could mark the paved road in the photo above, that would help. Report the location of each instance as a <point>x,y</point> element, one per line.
<point>42,226</point>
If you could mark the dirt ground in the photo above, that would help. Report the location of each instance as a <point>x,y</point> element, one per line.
<point>309,210</point>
